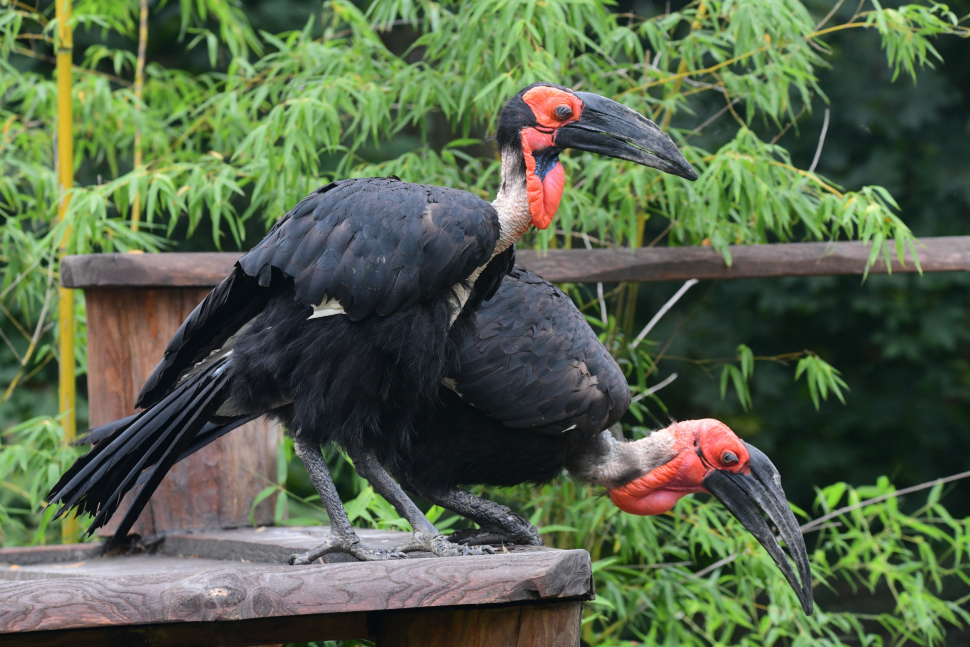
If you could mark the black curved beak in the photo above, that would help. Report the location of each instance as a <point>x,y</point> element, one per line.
<point>751,496</point>
<point>610,128</point>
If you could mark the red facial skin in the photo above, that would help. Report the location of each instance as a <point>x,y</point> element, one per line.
<point>658,491</point>
<point>545,194</point>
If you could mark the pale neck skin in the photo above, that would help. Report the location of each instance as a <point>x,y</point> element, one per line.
<point>512,202</point>
<point>610,462</point>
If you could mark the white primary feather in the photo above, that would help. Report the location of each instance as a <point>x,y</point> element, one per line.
<point>328,308</point>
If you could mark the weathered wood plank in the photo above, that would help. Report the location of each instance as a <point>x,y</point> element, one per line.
<point>263,591</point>
<point>57,554</point>
<point>534,625</point>
<point>128,330</point>
<point>110,567</point>
<point>274,545</point>
<point>259,631</point>
<point>941,254</point>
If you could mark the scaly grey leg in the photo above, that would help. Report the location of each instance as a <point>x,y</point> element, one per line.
<point>342,537</point>
<point>426,537</point>
<point>498,523</point>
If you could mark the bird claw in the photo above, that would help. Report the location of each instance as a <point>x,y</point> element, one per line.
<point>345,544</point>
<point>440,546</point>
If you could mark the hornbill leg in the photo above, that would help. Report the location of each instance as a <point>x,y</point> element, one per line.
<point>498,523</point>
<point>342,537</point>
<point>426,537</point>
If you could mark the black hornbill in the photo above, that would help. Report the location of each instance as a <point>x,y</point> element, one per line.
<point>338,321</point>
<point>534,392</point>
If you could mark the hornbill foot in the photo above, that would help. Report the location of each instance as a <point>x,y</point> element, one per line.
<point>349,544</point>
<point>526,536</point>
<point>439,545</point>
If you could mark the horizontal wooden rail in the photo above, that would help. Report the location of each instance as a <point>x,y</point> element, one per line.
<point>943,254</point>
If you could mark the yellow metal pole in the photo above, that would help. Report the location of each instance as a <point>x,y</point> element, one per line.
<point>65,167</point>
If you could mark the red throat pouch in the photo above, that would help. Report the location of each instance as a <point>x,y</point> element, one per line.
<point>544,194</point>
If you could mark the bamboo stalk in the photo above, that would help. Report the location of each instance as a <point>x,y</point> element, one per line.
<point>65,172</point>
<point>139,88</point>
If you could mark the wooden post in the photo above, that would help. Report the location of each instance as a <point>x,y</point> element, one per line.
<point>531,625</point>
<point>128,329</point>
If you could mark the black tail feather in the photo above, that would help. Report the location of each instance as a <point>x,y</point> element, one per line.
<point>210,433</point>
<point>97,434</point>
<point>156,438</point>
<point>206,406</point>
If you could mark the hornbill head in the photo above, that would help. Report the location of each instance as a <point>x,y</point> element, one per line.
<point>649,476</point>
<point>544,119</point>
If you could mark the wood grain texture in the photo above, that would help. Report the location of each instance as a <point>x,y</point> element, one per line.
<point>942,254</point>
<point>240,592</point>
<point>128,330</point>
<point>533,625</point>
<point>261,631</point>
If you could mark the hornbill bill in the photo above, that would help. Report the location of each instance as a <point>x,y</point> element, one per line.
<point>337,322</point>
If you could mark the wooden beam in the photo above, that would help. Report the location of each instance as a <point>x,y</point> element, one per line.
<point>168,270</point>
<point>943,254</point>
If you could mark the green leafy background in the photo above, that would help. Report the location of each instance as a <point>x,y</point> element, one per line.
<point>248,106</point>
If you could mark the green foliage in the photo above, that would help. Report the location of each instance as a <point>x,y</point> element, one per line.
<point>32,458</point>
<point>821,378</point>
<point>263,119</point>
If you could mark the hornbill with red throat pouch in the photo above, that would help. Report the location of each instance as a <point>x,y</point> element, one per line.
<point>534,392</point>
<point>338,322</point>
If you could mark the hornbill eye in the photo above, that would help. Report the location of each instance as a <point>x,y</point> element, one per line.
<point>728,457</point>
<point>564,112</point>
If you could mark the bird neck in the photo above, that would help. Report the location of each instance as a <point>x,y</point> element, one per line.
<point>612,462</point>
<point>512,201</point>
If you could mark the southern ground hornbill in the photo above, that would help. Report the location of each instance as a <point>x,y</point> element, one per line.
<point>338,323</point>
<point>534,392</point>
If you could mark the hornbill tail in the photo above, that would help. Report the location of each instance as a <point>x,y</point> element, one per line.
<point>144,445</point>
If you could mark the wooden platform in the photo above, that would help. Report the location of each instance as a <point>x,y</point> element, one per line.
<point>233,587</point>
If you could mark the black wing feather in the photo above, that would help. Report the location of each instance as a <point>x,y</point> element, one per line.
<point>530,359</point>
<point>377,245</point>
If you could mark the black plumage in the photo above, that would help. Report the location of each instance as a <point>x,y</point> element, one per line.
<point>376,245</point>
<point>533,384</point>
<point>531,360</point>
<point>152,440</point>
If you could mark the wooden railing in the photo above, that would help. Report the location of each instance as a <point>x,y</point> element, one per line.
<point>943,254</point>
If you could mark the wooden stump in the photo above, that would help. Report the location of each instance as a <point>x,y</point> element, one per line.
<point>128,329</point>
